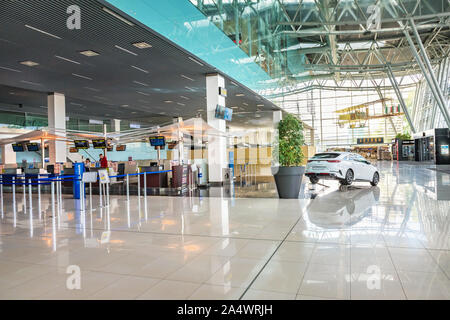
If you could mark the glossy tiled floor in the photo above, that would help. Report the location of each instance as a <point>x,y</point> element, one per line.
<point>389,242</point>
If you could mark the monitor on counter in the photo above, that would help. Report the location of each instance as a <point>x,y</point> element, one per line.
<point>18,147</point>
<point>33,146</point>
<point>81,144</point>
<point>158,141</point>
<point>99,143</point>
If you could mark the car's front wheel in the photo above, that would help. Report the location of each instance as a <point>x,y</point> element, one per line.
<point>348,178</point>
<point>313,179</point>
<point>375,179</point>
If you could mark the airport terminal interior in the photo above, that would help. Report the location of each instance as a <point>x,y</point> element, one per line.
<point>225,149</point>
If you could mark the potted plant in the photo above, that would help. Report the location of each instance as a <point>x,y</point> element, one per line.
<point>289,171</point>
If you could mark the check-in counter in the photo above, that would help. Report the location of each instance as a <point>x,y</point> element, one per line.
<point>155,180</point>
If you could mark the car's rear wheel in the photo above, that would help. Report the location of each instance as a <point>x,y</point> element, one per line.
<point>313,179</point>
<point>348,178</point>
<point>375,179</point>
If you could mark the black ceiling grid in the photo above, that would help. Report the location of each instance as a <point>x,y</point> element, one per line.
<point>117,89</point>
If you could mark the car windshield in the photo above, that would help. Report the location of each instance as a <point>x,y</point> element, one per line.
<point>326,155</point>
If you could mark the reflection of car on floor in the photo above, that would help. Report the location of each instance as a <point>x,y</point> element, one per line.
<point>340,210</point>
<point>343,166</point>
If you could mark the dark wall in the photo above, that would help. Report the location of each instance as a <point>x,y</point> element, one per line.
<point>442,137</point>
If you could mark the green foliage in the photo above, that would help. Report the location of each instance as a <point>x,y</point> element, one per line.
<point>290,141</point>
<point>403,136</point>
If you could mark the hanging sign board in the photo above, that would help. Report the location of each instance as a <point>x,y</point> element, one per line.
<point>369,140</point>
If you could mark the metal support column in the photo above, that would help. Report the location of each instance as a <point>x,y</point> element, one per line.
<point>430,77</point>
<point>400,97</point>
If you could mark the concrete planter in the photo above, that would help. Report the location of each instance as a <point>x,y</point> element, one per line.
<point>288,181</point>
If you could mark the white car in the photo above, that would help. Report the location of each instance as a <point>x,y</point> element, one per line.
<point>343,166</point>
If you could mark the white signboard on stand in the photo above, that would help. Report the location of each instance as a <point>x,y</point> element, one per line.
<point>89,177</point>
<point>103,175</point>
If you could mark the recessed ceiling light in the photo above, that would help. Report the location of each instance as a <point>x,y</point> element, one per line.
<point>43,32</point>
<point>234,107</point>
<point>189,88</point>
<point>168,101</point>
<point>80,76</point>
<point>260,105</point>
<point>245,104</point>
<point>29,63</point>
<point>92,89</point>
<point>65,59</point>
<point>240,94</point>
<point>76,104</point>
<point>32,83</point>
<point>180,104</point>
<point>143,93</point>
<point>186,77</point>
<point>142,45</point>
<point>89,53</point>
<point>9,69</point>
<point>125,105</point>
<point>125,50</point>
<point>185,98</point>
<point>137,68</point>
<point>234,84</point>
<point>197,62</point>
<point>141,83</point>
<point>118,16</point>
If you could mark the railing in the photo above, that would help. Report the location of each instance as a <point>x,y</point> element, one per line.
<point>56,181</point>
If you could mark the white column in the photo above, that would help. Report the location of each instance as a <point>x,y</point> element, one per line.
<point>8,155</point>
<point>217,145</point>
<point>115,125</point>
<point>277,117</point>
<point>180,155</point>
<point>56,103</point>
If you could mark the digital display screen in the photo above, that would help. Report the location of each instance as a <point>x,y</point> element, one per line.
<point>99,144</point>
<point>224,113</point>
<point>158,141</point>
<point>444,149</point>
<point>18,147</point>
<point>81,144</point>
<point>122,147</point>
<point>33,146</point>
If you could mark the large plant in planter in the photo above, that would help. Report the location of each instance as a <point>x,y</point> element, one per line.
<point>288,175</point>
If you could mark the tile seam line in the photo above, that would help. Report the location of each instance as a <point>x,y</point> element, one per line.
<point>270,258</point>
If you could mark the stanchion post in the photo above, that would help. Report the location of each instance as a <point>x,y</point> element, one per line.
<point>24,195</point>
<point>90,196</point>
<point>14,194</point>
<point>30,195</point>
<point>53,200</point>
<point>139,186</point>
<point>145,194</point>
<point>107,194</point>
<point>100,192</point>
<point>128,187</point>
<point>39,196</point>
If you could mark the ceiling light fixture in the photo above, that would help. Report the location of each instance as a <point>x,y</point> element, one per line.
<point>41,31</point>
<point>29,63</point>
<point>189,88</point>
<point>143,93</point>
<point>234,84</point>
<point>186,77</point>
<point>185,98</point>
<point>92,89</point>
<point>260,105</point>
<point>240,95</point>
<point>168,101</point>
<point>137,68</point>
<point>80,76</point>
<point>125,50</point>
<point>118,16</point>
<point>89,53</point>
<point>32,83</point>
<point>180,104</point>
<point>10,69</point>
<point>141,83</point>
<point>68,60</point>
<point>245,104</point>
<point>142,45</point>
<point>197,62</point>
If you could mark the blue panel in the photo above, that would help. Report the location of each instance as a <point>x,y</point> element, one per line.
<point>183,24</point>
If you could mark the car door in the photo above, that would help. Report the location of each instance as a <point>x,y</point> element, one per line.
<point>356,165</point>
<point>366,169</point>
